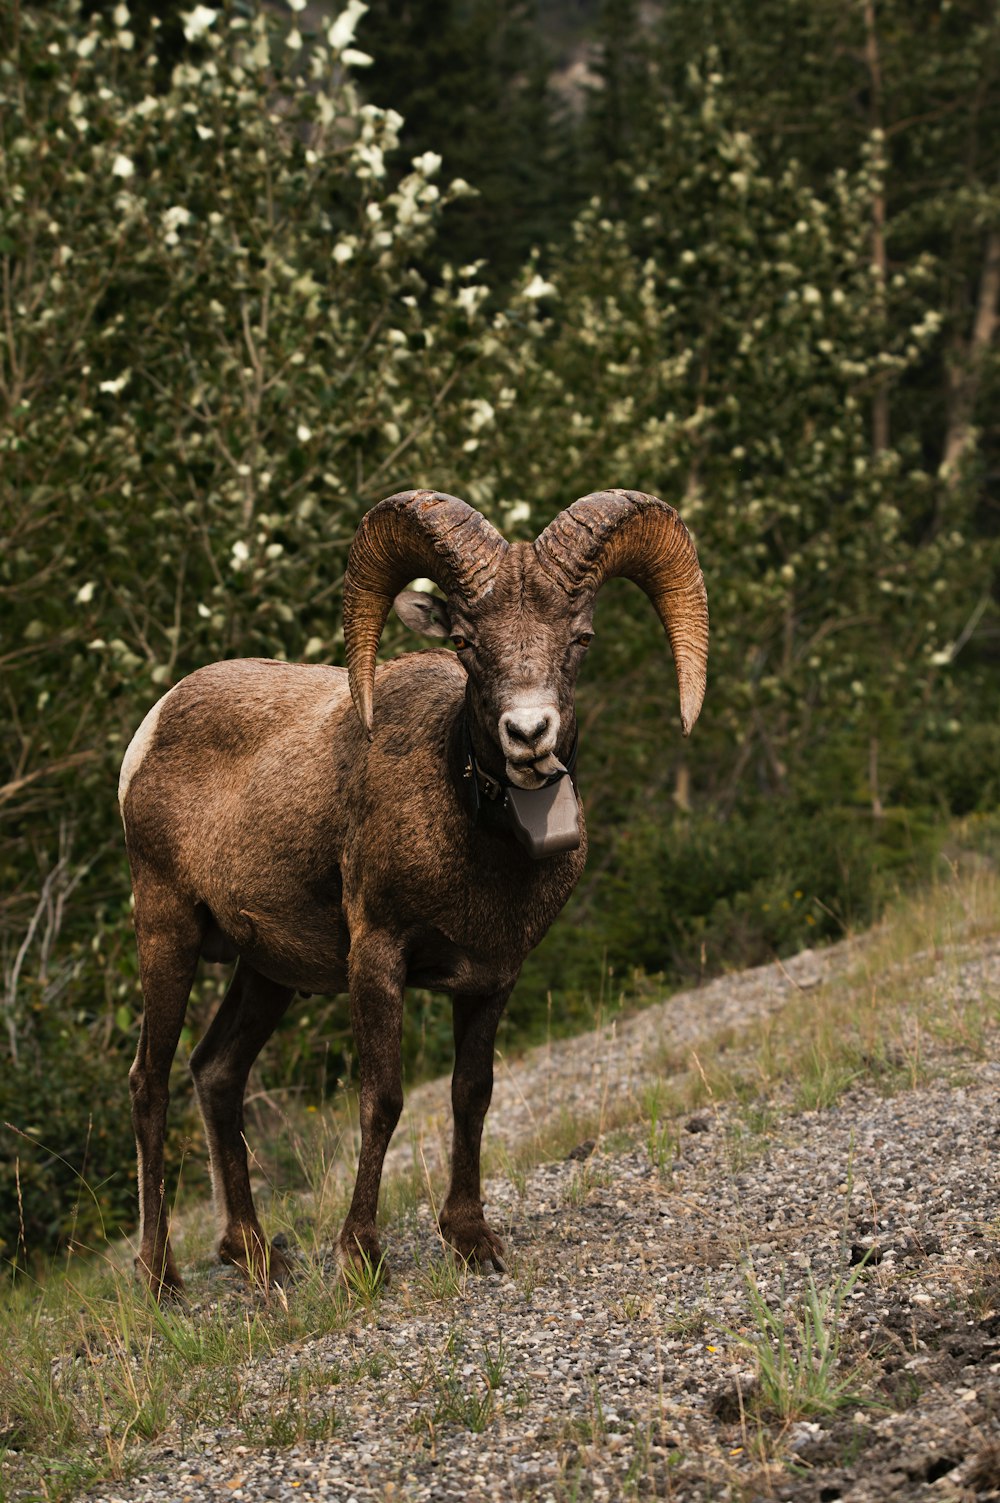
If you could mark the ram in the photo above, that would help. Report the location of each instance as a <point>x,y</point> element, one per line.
<point>426,834</point>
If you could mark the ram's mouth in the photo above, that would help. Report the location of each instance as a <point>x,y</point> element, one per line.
<point>534,772</point>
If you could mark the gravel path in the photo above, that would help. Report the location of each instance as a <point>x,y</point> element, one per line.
<point>616,1360</point>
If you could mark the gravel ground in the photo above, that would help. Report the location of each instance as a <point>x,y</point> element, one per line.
<point>613,1360</point>
<point>613,1063</point>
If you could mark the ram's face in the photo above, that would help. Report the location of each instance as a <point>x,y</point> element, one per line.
<point>521,644</point>
<point>522,647</point>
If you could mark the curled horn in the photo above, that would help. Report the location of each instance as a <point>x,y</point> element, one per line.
<point>412,534</point>
<point>633,536</point>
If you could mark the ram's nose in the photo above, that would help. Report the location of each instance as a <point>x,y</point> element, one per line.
<point>529,731</point>
<point>522,731</point>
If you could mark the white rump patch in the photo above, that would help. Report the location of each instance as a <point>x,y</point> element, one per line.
<point>137,749</point>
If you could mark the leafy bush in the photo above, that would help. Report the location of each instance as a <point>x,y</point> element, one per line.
<point>695,895</point>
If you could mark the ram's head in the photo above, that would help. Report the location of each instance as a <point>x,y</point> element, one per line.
<point>520,614</point>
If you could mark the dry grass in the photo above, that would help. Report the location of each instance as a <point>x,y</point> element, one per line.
<point>878,1023</point>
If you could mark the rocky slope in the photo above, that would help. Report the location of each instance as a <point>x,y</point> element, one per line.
<point>649,1340</point>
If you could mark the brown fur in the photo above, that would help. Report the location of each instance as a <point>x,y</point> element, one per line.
<point>258,825</point>
<point>261,824</point>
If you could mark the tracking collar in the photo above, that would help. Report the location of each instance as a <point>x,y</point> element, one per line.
<point>545,820</point>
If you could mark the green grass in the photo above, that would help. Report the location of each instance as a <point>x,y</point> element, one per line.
<point>797,1351</point>
<point>291,1422</point>
<point>443,1277</point>
<point>471,1402</point>
<point>365,1278</point>
<point>874,1025</point>
<point>661,1134</point>
<point>92,1371</point>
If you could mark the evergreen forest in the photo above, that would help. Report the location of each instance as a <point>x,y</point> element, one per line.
<point>262,264</point>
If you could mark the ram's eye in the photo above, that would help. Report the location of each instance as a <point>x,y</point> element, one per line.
<point>584,638</point>
<point>459,642</point>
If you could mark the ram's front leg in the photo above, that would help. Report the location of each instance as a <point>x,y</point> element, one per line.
<point>376,974</point>
<point>462,1220</point>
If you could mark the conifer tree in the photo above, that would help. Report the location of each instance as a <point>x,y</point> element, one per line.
<point>471,79</point>
<point>621,103</point>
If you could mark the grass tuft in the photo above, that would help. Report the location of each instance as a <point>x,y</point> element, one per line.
<point>365,1278</point>
<point>662,1142</point>
<point>797,1351</point>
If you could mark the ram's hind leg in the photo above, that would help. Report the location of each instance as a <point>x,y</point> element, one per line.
<point>249,1014</point>
<point>168,934</point>
<point>462,1220</point>
<point>376,974</point>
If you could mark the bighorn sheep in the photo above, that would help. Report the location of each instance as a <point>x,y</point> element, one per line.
<point>428,836</point>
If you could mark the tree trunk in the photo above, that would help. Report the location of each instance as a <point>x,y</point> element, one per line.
<point>682,786</point>
<point>966,372</point>
<point>880,400</point>
<point>877,811</point>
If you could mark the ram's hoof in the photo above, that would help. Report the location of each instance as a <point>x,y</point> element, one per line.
<point>262,1265</point>
<point>474,1242</point>
<point>166,1288</point>
<point>362,1264</point>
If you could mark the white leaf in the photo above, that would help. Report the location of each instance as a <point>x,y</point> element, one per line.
<point>197,21</point>
<point>342,30</point>
<point>538,287</point>
<point>117,385</point>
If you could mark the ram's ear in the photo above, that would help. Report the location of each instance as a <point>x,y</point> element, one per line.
<point>423,613</point>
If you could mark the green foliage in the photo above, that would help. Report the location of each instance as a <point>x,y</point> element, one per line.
<point>618,120</point>
<point>220,358</point>
<point>734,370</point>
<point>695,895</point>
<point>233,321</point>
<point>65,1173</point>
<point>961,772</point>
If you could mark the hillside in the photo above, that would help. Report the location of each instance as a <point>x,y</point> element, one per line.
<point>753,1239</point>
